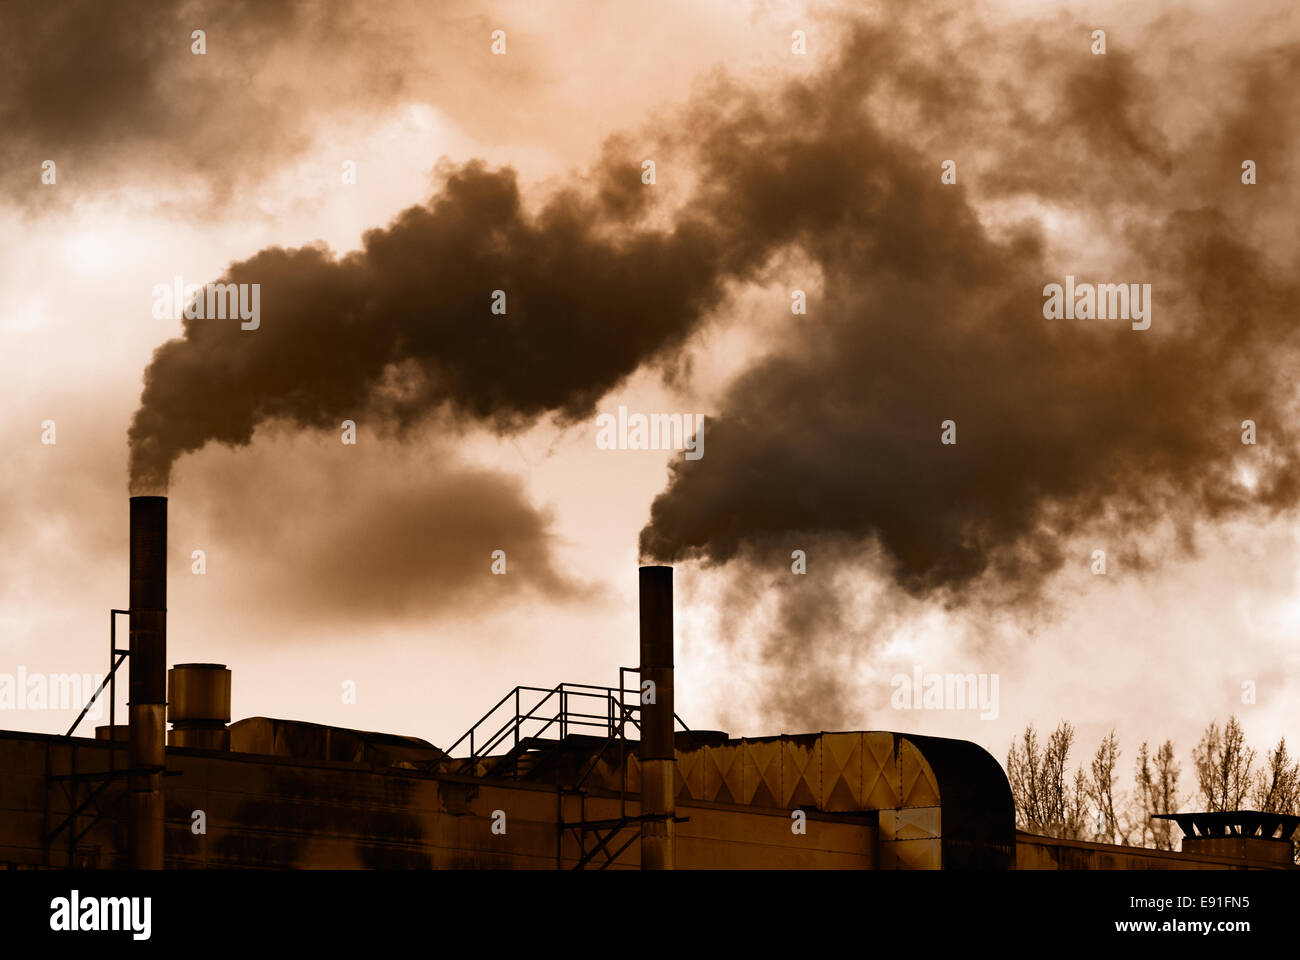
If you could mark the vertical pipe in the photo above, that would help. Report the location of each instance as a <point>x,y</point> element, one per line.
<point>657,755</point>
<point>112,674</point>
<point>148,681</point>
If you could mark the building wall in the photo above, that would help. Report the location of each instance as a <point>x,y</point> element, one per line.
<point>266,812</point>
<point>276,812</point>
<point>1047,853</point>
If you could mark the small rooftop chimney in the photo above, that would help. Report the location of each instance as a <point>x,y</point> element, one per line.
<point>657,756</point>
<point>198,705</point>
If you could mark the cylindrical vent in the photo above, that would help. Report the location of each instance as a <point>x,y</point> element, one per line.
<point>148,610</point>
<point>198,705</point>
<point>657,663</point>
<point>117,733</point>
<point>198,692</point>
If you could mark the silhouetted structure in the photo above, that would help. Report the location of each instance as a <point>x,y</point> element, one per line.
<point>562,777</point>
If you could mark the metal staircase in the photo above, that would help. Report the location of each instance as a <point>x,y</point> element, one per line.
<point>99,801</point>
<point>558,735</point>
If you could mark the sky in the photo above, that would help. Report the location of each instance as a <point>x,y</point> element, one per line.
<point>796,147</point>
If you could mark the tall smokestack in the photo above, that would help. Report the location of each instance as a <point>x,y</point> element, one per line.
<point>657,754</point>
<point>148,681</point>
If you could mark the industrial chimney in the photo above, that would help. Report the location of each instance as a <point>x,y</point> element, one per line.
<point>148,681</point>
<point>657,755</point>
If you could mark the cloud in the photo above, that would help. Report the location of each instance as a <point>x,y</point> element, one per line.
<point>927,307</point>
<point>371,533</point>
<point>115,95</point>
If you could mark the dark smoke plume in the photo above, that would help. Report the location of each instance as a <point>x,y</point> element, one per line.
<point>924,307</point>
<point>406,323</point>
<point>927,314</point>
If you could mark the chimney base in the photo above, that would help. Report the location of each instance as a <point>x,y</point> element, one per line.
<point>146,758</point>
<point>658,836</point>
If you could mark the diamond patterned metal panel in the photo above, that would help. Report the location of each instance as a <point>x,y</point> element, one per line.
<point>691,765</point>
<point>914,823</point>
<point>919,786</point>
<point>839,772</point>
<point>841,757</point>
<point>800,772</point>
<point>828,771</point>
<point>724,774</point>
<point>880,775</point>
<point>762,783</point>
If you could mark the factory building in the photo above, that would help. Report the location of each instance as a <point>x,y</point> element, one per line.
<point>566,777</point>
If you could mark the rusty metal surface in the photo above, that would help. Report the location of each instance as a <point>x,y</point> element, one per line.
<point>761,771</point>
<point>941,802</point>
<point>827,771</point>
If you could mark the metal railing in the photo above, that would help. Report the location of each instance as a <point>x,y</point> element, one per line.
<point>115,659</point>
<point>540,713</point>
<point>99,782</point>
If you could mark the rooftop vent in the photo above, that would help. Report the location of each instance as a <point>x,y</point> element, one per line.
<point>1240,834</point>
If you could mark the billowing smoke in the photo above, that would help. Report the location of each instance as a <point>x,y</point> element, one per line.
<point>925,303</point>
<point>407,324</point>
<point>929,303</point>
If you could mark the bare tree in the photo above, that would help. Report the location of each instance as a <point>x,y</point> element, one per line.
<point>1156,779</point>
<point>1101,790</point>
<point>1057,790</point>
<point>1223,766</point>
<point>1075,818</point>
<point>1144,782</point>
<point>1039,784</point>
<point>1277,784</point>
<point>1023,762</point>
<point>1166,795</point>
